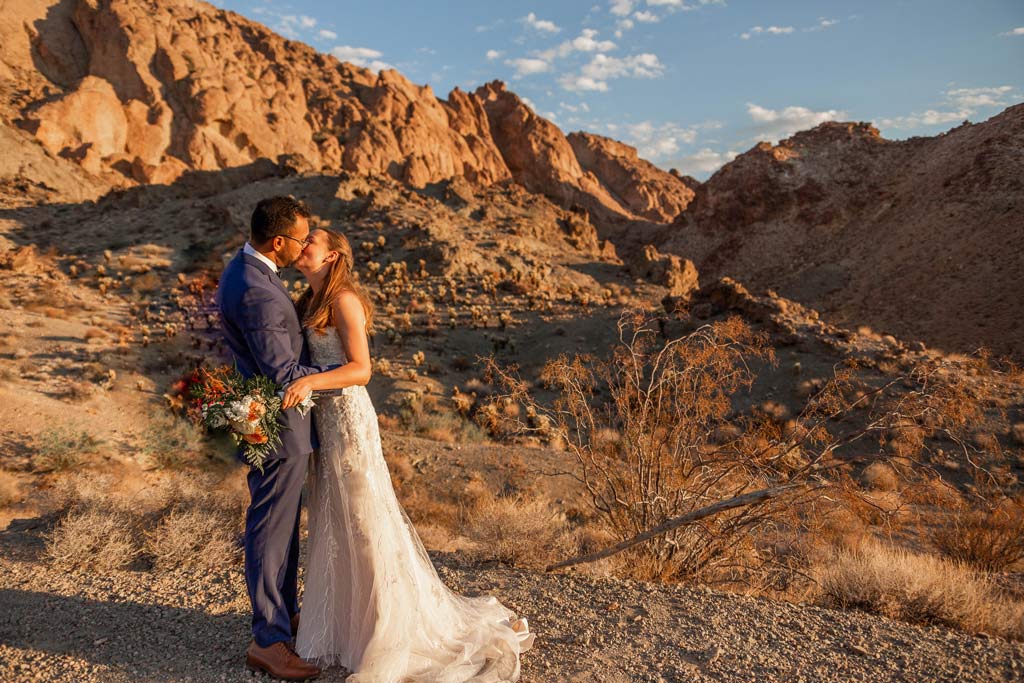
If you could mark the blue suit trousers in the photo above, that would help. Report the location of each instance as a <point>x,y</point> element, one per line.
<point>272,546</point>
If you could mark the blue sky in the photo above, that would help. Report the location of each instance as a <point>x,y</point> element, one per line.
<point>691,83</point>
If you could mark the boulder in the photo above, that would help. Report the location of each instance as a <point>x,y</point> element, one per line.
<point>668,270</point>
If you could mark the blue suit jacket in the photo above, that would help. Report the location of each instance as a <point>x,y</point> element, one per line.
<point>263,332</point>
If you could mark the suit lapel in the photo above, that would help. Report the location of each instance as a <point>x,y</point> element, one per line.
<point>265,269</point>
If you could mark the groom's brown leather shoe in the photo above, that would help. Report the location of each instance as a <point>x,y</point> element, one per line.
<point>280,661</point>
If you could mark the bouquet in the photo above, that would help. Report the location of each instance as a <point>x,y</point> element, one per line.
<point>248,408</point>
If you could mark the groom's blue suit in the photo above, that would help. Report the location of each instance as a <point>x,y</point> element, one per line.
<point>262,329</point>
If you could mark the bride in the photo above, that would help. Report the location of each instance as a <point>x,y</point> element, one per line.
<point>373,601</point>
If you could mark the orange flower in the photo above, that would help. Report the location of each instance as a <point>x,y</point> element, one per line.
<point>256,437</point>
<point>256,411</point>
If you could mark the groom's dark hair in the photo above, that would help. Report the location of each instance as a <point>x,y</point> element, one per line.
<point>275,216</point>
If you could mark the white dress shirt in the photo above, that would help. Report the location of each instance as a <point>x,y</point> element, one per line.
<point>248,249</point>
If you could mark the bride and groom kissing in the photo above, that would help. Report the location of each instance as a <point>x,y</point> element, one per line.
<point>372,601</point>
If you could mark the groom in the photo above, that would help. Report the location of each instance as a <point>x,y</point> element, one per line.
<point>262,329</point>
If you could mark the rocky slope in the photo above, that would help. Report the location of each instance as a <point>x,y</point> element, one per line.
<point>921,238</point>
<point>638,184</point>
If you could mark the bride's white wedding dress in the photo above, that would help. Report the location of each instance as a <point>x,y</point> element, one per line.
<point>373,601</point>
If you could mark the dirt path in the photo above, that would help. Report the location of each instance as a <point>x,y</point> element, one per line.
<point>193,626</point>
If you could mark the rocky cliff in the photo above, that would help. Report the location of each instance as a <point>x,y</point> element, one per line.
<point>636,183</point>
<point>142,91</point>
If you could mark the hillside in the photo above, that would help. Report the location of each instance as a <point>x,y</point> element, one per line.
<point>921,238</point>
<point>95,96</point>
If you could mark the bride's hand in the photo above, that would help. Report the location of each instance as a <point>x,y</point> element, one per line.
<point>296,391</point>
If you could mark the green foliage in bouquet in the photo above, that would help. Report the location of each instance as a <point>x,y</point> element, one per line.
<point>247,408</point>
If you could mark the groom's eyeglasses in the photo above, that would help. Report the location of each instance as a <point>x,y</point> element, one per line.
<point>303,243</point>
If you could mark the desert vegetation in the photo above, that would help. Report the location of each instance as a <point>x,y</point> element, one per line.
<point>664,457</point>
<point>686,487</point>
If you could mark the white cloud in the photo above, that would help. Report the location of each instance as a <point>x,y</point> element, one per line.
<point>622,25</point>
<point>703,161</point>
<point>646,17</point>
<point>602,68</point>
<point>621,8</point>
<point>483,28</point>
<point>575,83</point>
<point>674,5</point>
<point>287,25</point>
<point>529,103</point>
<point>774,30</point>
<point>970,98</point>
<point>328,35</point>
<point>1019,31</point>
<point>582,106</point>
<point>963,103</point>
<point>585,42</point>
<point>493,54</point>
<point>822,24</point>
<point>525,66</point>
<point>540,24</point>
<point>658,142</point>
<point>775,124</point>
<point>349,53</point>
<point>360,56</point>
<point>930,117</point>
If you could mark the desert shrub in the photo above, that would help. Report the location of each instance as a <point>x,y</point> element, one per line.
<point>166,521</point>
<point>194,538</point>
<point>880,476</point>
<point>78,490</point>
<point>990,539</point>
<point>146,283</point>
<point>172,443</point>
<point>79,390</point>
<point>62,449</point>
<point>522,531</point>
<point>441,509</point>
<point>918,588</point>
<point>692,484</point>
<point>93,538</point>
<point>440,421</point>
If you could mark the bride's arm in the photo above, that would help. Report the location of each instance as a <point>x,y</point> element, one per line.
<point>350,320</point>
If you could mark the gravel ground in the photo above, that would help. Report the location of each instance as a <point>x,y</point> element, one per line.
<point>193,626</point>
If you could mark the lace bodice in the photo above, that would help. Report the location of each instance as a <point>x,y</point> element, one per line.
<point>325,348</point>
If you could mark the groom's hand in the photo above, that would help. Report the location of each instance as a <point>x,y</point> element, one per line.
<point>296,391</point>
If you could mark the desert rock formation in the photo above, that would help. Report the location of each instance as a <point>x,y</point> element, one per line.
<point>636,183</point>
<point>921,238</point>
<point>142,92</point>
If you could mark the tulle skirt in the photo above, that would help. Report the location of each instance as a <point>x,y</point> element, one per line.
<point>373,602</point>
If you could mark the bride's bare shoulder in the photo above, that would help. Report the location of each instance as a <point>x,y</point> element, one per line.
<point>347,306</point>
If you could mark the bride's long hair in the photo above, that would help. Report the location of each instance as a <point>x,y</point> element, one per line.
<point>315,309</point>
